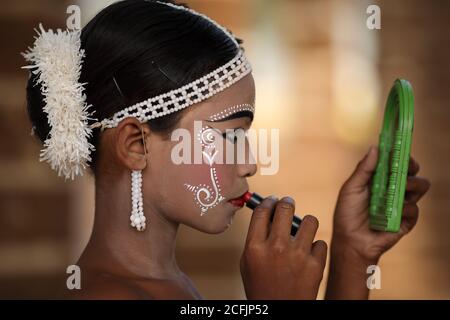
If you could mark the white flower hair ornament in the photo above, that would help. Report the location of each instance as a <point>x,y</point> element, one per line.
<point>56,59</point>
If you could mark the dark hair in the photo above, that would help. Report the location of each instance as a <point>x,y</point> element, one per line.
<point>147,48</point>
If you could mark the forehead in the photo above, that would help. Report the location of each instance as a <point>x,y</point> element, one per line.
<point>241,92</point>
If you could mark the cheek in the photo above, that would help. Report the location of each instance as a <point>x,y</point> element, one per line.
<point>182,204</point>
<point>198,174</point>
<point>201,174</point>
<point>224,175</point>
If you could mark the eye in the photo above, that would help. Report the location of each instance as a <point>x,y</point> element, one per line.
<point>233,134</point>
<point>230,136</point>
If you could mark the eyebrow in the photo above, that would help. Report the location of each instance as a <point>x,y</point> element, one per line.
<point>237,111</point>
<point>236,115</point>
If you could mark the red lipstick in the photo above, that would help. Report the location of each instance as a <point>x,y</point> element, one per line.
<point>252,200</point>
<point>239,201</point>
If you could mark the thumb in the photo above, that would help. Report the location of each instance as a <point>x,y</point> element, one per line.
<point>364,170</point>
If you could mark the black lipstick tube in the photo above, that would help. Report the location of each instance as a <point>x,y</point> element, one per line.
<point>255,199</point>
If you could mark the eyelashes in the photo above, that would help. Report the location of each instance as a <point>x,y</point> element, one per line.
<point>232,135</point>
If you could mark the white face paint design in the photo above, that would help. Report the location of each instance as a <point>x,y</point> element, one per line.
<point>205,196</point>
<point>231,110</point>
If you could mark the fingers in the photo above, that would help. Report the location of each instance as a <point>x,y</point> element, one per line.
<point>282,220</point>
<point>364,171</point>
<point>416,187</point>
<point>260,221</point>
<point>409,217</point>
<point>306,233</point>
<point>414,167</point>
<point>319,250</point>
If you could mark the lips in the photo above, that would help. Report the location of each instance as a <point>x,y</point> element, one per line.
<point>239,201</point>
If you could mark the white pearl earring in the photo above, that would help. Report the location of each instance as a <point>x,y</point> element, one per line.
<point>137,213</point>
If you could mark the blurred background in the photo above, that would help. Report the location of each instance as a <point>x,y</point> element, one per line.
<point>322,78</point>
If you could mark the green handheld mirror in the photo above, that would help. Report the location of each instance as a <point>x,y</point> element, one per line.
<point>389,180</point>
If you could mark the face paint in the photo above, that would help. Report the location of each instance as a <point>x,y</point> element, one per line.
<point>207,138</point>
<point>205,196</point>
<point>231,110</point>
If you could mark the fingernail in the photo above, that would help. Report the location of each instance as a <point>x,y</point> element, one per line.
<point>268,202</point>
<point>288,199</point>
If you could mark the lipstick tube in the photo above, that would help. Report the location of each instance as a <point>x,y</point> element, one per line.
<point>252,200</point>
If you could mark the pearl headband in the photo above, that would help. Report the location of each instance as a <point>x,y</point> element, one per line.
<point>57,59</point>
<point>175,100</point>
<point>194,92</point>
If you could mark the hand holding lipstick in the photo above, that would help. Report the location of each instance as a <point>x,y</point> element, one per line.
<point>275,265</point>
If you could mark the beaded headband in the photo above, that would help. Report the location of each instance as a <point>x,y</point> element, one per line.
<point>57,57</point>
<point>175,100</point>
<point>194,92</point>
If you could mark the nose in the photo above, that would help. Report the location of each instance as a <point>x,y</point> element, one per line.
<point>248,168</point>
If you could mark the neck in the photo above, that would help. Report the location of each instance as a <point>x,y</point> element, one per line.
<point>117,247</point>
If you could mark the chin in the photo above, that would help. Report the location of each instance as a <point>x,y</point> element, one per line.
<point>215,228</point>
<point>214,221</point>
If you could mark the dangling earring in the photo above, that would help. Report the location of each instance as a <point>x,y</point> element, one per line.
<point>137,212</point>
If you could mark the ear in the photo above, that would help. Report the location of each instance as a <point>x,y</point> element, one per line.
<point>130,149</point>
